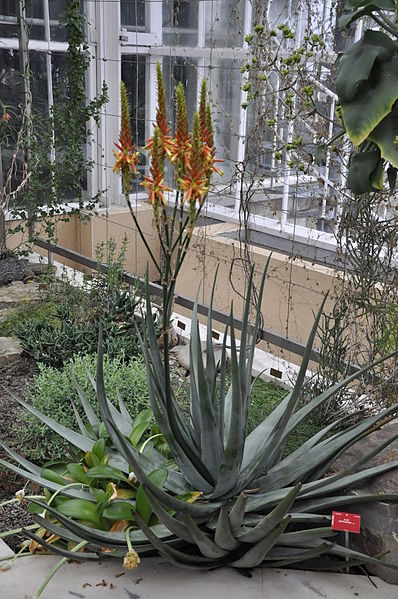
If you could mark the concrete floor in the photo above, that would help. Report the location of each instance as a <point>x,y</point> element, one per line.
<point>156,579</point>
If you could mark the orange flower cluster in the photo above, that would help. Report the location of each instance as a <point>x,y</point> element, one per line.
<point>206,134</point>
<point>161,120</point>
<point>6,117</point>
<point>192,155</point>
<point>195,182</point>
<point>182,140</point>
<point>126,158</point>
<point>155,183</point>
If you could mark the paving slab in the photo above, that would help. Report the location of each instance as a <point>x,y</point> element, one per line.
<point>156,579</point>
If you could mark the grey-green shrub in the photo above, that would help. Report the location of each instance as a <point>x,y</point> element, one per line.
<point>53,390</point>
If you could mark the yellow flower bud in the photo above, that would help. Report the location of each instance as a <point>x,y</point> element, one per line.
<point>131,560</point>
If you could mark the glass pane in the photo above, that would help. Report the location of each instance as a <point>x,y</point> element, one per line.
<point>58,73</point>
<point>38,81</point>
<point>176,69</point>
<point>35,19</point>
<point>57,28</point>
<point>132,13</point>
<point>224,23</point>
<point>12,82</point>
<point>133,75</point>
<point>224,94</point>
<point>8,18</point>
<point>180,23</point>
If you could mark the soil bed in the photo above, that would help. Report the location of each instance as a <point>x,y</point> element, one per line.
<point>13,377</point>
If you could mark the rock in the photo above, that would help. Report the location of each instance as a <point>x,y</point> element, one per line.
<point>173,339</point>
<point>182,354</point>
<point>29,276</point>
<point>10,350</point>
<point>379,521</point>
<point>11,269</point>
<point>18,291</point>
<point>39,268</point>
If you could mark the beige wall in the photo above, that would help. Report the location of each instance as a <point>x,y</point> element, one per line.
<point>83,236</point>
<point>293,292</point>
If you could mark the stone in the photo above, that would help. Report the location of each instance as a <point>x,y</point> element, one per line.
<point>10,350</point>
<point>379,521</point>
<point>182,354</point>
<point>11,269</point>
<point>173,338</point>
<point>29,276</point>
<point>18,291</point>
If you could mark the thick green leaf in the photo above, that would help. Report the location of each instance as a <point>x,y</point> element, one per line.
<point>123,410</point>
<point>78,473</point>
<point>273,519</point>
<point>143,506</point>
<point>81,555</point>
<point>91,415</point>
<point>293,558</point>
<point>183,560</point>
<point>53,477</point>
<point>99,449</point>
<point>119,510</point>
<point>233,450</point>
<point>138,432</point>
<point>207,546</point>
<point>299,538</point>
<point>364,8</point>
<point>358,61</point>
<point>102,472</point>
<point>373,100</point>
<point>254,556</point>
<point>70,436</point>
<point>388,5</point>
<point>223,535</point>
<point>237,513</point>
<point>361,172</point>
<point>386,134</point>
<point>80,509</point>
<point>103,537</point>
<point>22,461</point>
<point>210,444</point>
<point>175,527</point>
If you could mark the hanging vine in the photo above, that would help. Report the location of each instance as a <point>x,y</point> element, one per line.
<point>57,160</point>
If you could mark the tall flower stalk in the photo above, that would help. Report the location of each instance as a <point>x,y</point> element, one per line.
<point>191,159</point>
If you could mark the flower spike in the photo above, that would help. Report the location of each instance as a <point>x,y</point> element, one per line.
<point>166,143</point>
<point>182,141</point>
<point>126,158</point>
<point>194,183</point>
<point>154,183</point>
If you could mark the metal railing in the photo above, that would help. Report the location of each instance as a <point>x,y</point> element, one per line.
<point>270,337</point>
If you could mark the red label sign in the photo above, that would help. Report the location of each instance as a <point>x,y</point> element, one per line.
<point>346,522</point>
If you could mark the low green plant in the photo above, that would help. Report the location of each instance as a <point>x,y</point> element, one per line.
<point>28,312</point>
<point>71,326</point>
<point>54,341</point>
<point>53,392</point>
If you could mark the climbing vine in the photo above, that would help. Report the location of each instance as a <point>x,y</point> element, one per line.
<point>57,159</point>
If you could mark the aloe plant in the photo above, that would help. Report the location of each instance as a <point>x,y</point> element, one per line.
<point>227,498</point>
